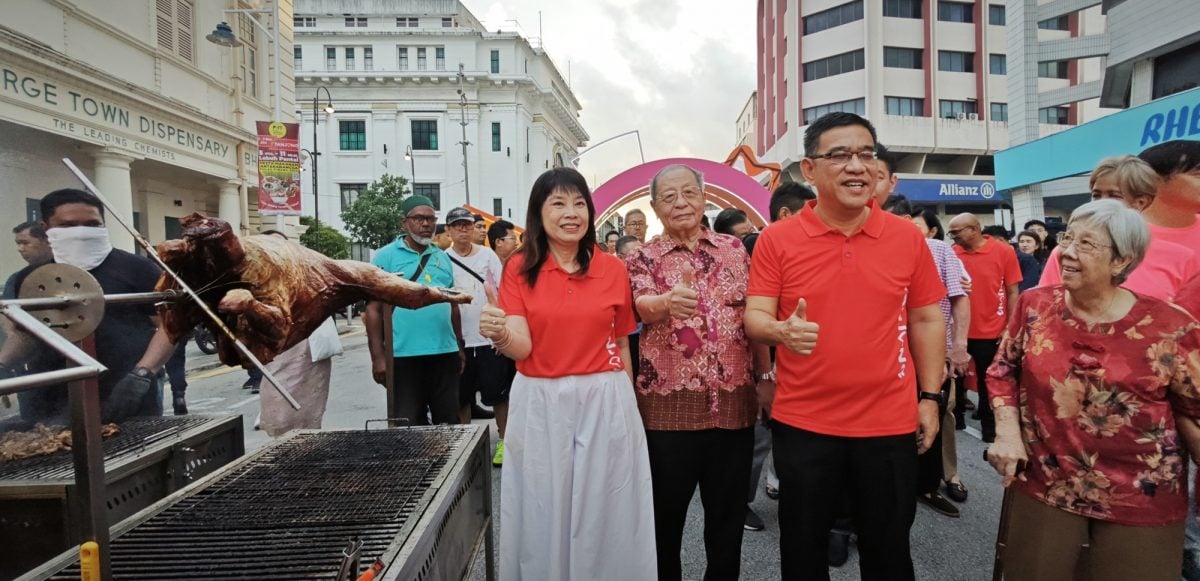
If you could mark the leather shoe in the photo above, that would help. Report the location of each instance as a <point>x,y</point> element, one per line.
<point>753,522</point>
<point>839,548</point>
<point>179,403</point>
<point>478,413</point>
<point>956,491</point>
<point>938,503</point>
<point>772,492</point>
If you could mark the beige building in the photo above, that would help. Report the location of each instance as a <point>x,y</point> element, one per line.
<point>162,120</point>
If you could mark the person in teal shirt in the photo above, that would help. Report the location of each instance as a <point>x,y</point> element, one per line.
<point>427,343</point>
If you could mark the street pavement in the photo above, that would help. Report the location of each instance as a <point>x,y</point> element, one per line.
<point>943,548</point>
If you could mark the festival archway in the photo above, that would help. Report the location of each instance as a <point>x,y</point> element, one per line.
<point>725,187</point>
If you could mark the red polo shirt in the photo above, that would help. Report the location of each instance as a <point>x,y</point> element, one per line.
<point>993,268</point>
<point>574,321</point>
<point>860,380</point>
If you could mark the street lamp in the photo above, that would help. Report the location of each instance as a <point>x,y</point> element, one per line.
<point>223,36</point>
<point>316,146</point>
<point>412,165</point>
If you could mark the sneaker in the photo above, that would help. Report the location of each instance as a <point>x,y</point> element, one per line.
<point>772,492</point>
<point>179,403</point>
<point>753,522</point>
<point>498,457</point>
<point>839,548</point>
<point>479,413</point>
<point>938,503</point>
<point>956,491</point>
<point>250,384</point>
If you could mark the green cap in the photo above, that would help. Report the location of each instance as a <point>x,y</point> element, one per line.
<point>414,201</point>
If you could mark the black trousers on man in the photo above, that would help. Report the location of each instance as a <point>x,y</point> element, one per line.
<point>879,477</point>
<point>930,470</point>
<point>718,461</point>
<point>982,352</point>
<point>426,382</point>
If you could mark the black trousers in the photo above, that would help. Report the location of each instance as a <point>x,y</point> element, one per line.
<point>718,461</point>
<point>878,475</point>
<point>982,352</point>
<point>426,382</point>
<point>175,367</point>
<point>930,470</point>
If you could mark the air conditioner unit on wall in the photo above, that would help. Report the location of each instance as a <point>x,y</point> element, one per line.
<point>973,116</point>
<point>960,116</point>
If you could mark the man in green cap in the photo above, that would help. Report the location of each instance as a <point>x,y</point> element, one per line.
<point>427,342</point>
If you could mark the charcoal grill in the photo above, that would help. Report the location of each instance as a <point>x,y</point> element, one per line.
<point>146,461</point>
<point>417,498</point>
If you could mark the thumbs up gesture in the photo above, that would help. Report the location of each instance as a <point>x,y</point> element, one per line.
<point>492,320</point>
<point>682,298</point>
<point>797,333</point>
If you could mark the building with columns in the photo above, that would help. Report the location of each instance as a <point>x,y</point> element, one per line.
<point>392,71</point>
<point>160,119</point>
<point>932,76</point>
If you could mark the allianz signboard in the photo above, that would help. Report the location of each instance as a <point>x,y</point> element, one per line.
<point>948,191</point>
<point>1077,150</point>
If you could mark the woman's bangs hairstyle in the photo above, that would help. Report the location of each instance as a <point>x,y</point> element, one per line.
<point>536,250</point>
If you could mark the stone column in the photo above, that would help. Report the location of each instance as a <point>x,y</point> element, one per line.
<point>113,180</point>
<point>230,204</point>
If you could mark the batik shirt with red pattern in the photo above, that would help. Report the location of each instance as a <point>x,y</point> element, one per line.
<point>1097,406</point>
<point>695,374</point>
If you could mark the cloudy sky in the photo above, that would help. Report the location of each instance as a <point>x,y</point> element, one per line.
<point>678,71</point>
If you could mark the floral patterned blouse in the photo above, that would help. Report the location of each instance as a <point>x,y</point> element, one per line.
<point>695,374</point>
<point>1096,406</point>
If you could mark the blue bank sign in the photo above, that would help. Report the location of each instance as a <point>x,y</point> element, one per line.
<point>1077,150</point>
<point>939,191</point>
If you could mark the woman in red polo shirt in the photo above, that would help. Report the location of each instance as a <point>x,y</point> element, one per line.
<point>575,498</point>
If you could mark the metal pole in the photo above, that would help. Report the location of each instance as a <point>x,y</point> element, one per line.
<point>462,102</point>
<point>316,150</point>
<point>153,254</point>
<point>89,504</point>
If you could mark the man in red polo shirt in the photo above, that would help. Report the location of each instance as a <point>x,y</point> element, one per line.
<point>995,274</point>
<point>850,293</point>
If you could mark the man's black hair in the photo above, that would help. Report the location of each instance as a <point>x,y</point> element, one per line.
<point>439,229</point>
<point>886,156</point>
<point>996,231</point>
<point>622,241</point>
<point>1034,222</point>
<point>704,221</point>
<point>35,229</point>
<point>727,219</point>
<point>812,135</point>
<point>499,229</point>
<point>790,195</point>
<point>477,217</point>
<point>1172,157</point>
<point>50,202</point>
<point>899,205</point>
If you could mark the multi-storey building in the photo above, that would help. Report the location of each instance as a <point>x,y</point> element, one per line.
<point>746,127</point>
<point>160,119</point>
<point>403,78</point>
<point>1150,49</point>
<point>930,74</point>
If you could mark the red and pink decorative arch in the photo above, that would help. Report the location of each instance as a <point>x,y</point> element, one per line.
<point>724,185</point>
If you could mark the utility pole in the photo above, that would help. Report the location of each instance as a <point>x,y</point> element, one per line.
<point>462,102</point>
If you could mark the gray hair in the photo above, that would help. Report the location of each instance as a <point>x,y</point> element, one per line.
<point>637,211</point>
<point>1126,229</point>
<point>668,169</point>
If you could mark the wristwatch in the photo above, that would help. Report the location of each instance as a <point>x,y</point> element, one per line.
<point>768,376</point>
<point>932,396</point>
<point>142,372</point>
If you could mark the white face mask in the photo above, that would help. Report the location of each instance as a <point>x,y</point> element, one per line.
<point>81,246</point>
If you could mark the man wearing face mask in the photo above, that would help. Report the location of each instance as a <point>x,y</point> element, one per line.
<point>128,341</point>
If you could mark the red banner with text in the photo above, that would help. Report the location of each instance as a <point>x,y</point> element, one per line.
<point>278,168</point>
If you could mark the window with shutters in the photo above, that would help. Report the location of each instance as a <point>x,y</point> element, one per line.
<point>495,136</point>
<point>431,191</point>
<point>422,64</point>
<point>495,62</point>
<point>439,58</point>
<point>330,58</point>
<point>248,34</point>
<point>298,57</point>
<point>407,22</point>
<point>498,207</point>
<point>175,26</point>
<point>403,54</point>
<point>368,58</point>
<point>304,21</point>
<point>447,22</point>
<point>349,59</point>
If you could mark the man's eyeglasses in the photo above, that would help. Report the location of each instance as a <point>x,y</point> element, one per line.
<point>844,157</point>
<point>423,219</point>
<point>1087,246</point>
<point>954,232</point>
<point>513,238</point>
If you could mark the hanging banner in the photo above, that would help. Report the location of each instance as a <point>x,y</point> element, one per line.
<point>278,168</point>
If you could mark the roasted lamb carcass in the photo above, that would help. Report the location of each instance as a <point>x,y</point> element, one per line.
<point>271,292</point>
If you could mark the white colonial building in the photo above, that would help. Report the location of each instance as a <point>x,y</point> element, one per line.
<point>392,70</point>
<point>160,119</point>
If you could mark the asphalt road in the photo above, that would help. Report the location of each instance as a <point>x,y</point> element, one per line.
<point>943,548</point>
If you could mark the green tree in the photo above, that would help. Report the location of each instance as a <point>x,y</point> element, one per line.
<point>374,219</point>
<point>324,239</point>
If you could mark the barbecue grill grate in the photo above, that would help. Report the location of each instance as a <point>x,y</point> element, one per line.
<point>134,436</point>
<point>288,513</point>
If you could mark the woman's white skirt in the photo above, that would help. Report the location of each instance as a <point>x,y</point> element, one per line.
<point>575,496</point>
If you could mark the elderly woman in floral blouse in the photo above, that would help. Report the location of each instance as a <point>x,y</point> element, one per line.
<point>1088,380</point>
